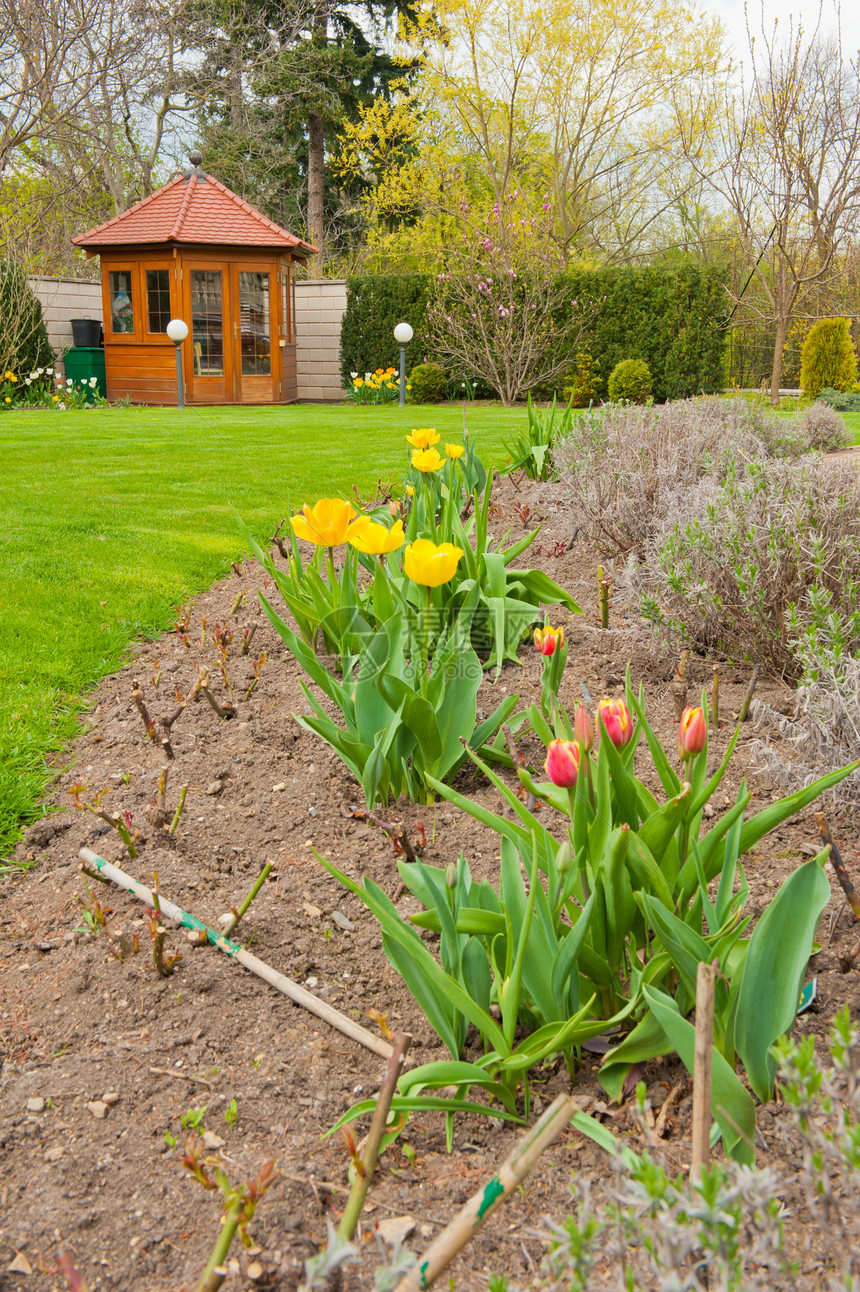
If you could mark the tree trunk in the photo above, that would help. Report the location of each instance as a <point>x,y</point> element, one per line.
<point>316,170</point>
<point>776,371</point>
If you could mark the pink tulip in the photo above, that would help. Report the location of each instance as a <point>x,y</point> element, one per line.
<point>616,719</point>
<point>583,731</point>
<point>562,762</point>
<point>692,732</point>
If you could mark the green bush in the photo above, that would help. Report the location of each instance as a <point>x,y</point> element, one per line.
<point>828,358</point>
<point>580,387</point>
<point>375,304</point>
<point>429,384</point>
<point>24,342</point>
<point>844,401</point>
<point>630,382</point>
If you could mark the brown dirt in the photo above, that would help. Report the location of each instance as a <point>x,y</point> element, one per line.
<point>78,1024</point>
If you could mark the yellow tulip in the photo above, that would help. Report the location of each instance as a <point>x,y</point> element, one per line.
<point>410,489</point>
<point>426,460</point>
<point>358,383</point>
<point>430,564</point>
<point>423,438</point>
<point>327,523</point>
<point>376,540</point>
<point>454,451</point>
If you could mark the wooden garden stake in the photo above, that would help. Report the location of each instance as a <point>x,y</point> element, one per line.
<point>838,865</point>
<point>745,707</point>
<point>715,701</point>
<point>236,915</point>
<point>603,597</point>
<point>277,980</point>
<point>702,1064</point>
<point>469,1219</point>
<point>361,1183</point>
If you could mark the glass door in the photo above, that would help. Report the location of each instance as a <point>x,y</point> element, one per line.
<point>257,358</point>
<point>208,358</point>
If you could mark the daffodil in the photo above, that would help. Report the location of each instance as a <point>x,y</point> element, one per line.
<point>427,460</point>
<point>431,564</point>
<point>454,451</point>
<point>376,540</point>
<point>423,438</point>
<point>327,523</point>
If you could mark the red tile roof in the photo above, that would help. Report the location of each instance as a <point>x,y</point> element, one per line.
<point>193,208</point>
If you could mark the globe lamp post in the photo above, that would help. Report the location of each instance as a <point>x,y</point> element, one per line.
<point>177,330</point>
<point>403,335</point>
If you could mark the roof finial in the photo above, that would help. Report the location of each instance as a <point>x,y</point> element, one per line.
<point>195,157</point>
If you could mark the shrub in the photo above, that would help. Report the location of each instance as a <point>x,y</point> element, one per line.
<point>627,468</point>
<point>580,387</point>
<point>429,383</point>
<point>828,357</point>
<point>844,401</point>
<point>630,382</point>
<point>375,304</point>
<point>741,571</point>
<point>24,345</point>
<point>823,429</point>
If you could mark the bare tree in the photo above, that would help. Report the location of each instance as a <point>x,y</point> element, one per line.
<point>784,155</point>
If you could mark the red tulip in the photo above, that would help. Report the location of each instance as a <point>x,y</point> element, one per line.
<point>562,762</point>
<point>547,639</point>
<point>583,730</point>
<point>616,719</point>
<point>692,732</point>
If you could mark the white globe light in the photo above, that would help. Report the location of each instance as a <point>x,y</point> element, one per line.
<point>403,333</point>
<point>177,331</point>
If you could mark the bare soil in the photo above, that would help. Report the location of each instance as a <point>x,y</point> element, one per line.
<point>101,1056</point>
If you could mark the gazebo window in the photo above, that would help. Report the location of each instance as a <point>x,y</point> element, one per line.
<point>157,299</point>
<point>121,303</point>
<point>254,323</point>
<point>207,322</point>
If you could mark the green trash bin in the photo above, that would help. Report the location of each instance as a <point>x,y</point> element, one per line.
<point>82,363</point>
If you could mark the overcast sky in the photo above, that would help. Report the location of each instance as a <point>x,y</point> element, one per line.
<point>732,14</point>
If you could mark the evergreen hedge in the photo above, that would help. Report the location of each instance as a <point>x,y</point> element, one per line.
<point>674,320</point>
<point>375,304</point>
<point>24,344</point>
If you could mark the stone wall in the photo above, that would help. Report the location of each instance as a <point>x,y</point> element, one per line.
<point>64,299</point>
<point>320,306</point>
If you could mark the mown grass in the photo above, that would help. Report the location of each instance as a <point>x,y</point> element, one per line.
<point>110,518</point>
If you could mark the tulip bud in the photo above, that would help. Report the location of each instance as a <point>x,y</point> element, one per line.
<point>393,509</point>
<point>616,719</point>
<point>451,875</point>
<point>692,732</point>
<point>547,639</point>
<point>562,762</point>
<point>563,858</point>
<point>583,731</point>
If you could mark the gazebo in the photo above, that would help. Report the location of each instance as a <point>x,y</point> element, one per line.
<point>196,251</point>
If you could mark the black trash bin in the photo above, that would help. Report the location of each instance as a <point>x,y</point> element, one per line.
<point>86,332</point>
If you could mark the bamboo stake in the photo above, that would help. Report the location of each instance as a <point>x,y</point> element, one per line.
<point>236,915</point>
<point>603,597</point>
<point>715,701</point>
<point>838,865</point>
<point>361,1184</point>
<point>277,980</point>
<point>469,1219</point>
<point>703,1058</point>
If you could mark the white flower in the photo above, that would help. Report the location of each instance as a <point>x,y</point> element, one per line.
<point>353,375</point>
<point>49,370</point>
<point>368,376</point>
<point>94,381</point>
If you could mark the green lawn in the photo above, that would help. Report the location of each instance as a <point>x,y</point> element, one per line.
<point>110,518</point>
<point>852,421</point>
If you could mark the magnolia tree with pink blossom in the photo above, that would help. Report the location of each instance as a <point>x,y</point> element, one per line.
<point>501,312</point>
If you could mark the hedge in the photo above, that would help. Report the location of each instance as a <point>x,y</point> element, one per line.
<point>672,319</point>
<point>375,304</point>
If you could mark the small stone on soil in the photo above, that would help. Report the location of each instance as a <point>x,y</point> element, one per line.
<point>36,1105</point>
<point>98,1109</point>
